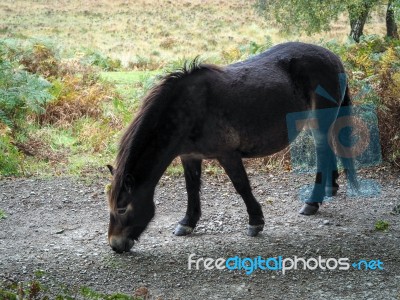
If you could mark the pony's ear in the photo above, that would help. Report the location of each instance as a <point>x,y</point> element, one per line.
<point>129,182</point>
<point>111,168</point>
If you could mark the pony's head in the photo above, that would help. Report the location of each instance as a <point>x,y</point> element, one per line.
<point>147,147</point>
<point>131,210</point>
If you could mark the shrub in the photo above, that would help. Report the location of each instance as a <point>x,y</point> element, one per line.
<point>389,116</point>
<point>35,56</point>
<point>76,97</point>
<point>21,94</point>
<point>38,88</point>
<point>144,63</point>
<point>253,48</point>
<point>373,67</point>
<point>41,60</point>
<point>105,63</point>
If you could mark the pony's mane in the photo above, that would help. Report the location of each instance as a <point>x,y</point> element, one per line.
<point>134,138</point>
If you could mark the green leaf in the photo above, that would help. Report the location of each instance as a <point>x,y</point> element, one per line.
<point>382,225</point>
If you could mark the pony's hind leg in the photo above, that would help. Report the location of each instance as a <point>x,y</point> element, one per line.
<point>326,177</point>
<point>233,166</point>
<point>192,170</point>
<point>332,186</point>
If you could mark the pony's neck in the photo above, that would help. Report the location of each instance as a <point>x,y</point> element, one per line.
<point>152,146</point>
<point>154,161</point>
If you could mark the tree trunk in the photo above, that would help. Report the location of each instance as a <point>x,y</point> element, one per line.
<point>391,26</point>
<point>358,17</point>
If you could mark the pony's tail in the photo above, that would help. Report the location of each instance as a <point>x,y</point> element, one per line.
<point>348,162</point>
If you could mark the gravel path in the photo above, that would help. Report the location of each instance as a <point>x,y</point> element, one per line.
<point>59,226</point>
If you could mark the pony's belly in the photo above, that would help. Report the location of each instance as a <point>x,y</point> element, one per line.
<point>263,145</point>
<point>249,143</point>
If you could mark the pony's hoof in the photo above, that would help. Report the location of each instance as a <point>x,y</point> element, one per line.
<point>181,230</point>
<point>308,209</point>
<point>253,230</point>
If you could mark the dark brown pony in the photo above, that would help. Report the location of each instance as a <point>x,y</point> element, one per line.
<point>224,113</point>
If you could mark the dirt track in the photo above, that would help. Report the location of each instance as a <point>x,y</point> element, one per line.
<point>59,226</point>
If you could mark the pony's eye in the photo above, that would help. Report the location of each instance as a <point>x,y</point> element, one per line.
<point>121,211</point>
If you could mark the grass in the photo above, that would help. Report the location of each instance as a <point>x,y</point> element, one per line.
<point>129,82</point>
<point>87,145</point>
<point>127,78</point>
<point>148,32</point>
<point>2,214</point>
<point>40,288</point>
<point>140,30</point>
<point>174,170</point>
<point>149,37</point>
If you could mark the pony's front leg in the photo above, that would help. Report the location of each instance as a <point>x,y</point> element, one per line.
<point>192,170</point>
<point>233,166</point>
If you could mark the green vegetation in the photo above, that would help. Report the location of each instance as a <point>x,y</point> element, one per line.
<point>2,214</point>
<point>141,35</point>
<point>131,84</point>
<point>63,108</point>
<point>75,125</point>
<point>381,225</point>
<point>95,58</point>
<point>65,98</point>
<point>148,34</point>
<point>127,78</point>
<point>21,93</point>
<point>10,157</point>
<point>373,67</point>
<point>40,289</point>
<point>313,16</point>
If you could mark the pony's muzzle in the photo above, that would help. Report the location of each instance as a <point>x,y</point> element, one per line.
<point>121,244</point>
